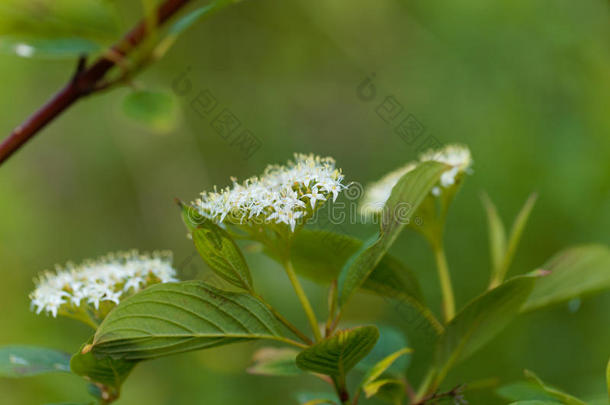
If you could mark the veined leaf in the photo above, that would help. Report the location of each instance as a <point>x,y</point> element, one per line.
<point>273,361</point>
<point>26,361</point>
<point>338,354</point>
<point>566,399</point>
<point>106,373</point>
<point>319,256</point>
<point>480,320</point>
<point>172,318</point>
<point>573,272</point>
<point>405,199</point>
<point>497,235</point>
<point>222,254</point>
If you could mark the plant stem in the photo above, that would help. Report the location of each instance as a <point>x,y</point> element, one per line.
<point>311,316</point>
<point>445,281</point>
<point>340,387</point>
<point>285,321</point>
<point>84,81</point>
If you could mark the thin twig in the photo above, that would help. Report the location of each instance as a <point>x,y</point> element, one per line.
<point>84,81</point>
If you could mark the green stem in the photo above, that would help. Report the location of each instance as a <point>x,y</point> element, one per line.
<point>311,316</point>
<point>284,321</point>
<point>445,281</point>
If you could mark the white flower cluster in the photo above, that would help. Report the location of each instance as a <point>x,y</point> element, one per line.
<point>377,193</point>
<point>283,194</point>
<point>109,278</point>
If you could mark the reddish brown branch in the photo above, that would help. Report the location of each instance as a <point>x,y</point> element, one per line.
<point>84,82</point>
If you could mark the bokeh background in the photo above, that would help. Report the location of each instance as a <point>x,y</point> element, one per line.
<point>525,84</point>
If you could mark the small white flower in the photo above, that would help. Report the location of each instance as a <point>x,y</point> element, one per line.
<point>109,278</point>
<point>280,195</point>
<point>315,196</point>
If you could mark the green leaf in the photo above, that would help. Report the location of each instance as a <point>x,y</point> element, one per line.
<point>172,318</point>
<point>573,272</point>
<point>155,110</point>
<point>566,399</point>
<point>26,361</point>
<point>338,354</point>
<point>273,361</point>
<point>319,256</point>
<point>106,373</point>
<point>405,199</point>
<point>517,230</point>
<point>480,320</point>
<point>376,371</point>
<point>222,254</point>
<point>497,235</point>
<point>391,389</point>
<point>522,391</point>
<point>534,402</point>
<point>55,28</point>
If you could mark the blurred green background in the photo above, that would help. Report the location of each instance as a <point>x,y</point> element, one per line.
<point>525,84</point>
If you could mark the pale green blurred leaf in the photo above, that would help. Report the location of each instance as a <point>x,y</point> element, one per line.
<point>565,398</point>
<point>155,110</point>
<point>405,199</point>
<point>338,354</point>
<point>517,231</point>
<point>575,271</point>
<point>26,361</point>
<point>522,391</point>
<point>173,318</point>
<point>497,234</point>
<point>272,361</point>
<point>56,28</point>
<point>481,320</point>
